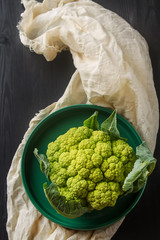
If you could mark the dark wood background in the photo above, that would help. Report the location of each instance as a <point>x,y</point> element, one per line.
<point>29,83</point>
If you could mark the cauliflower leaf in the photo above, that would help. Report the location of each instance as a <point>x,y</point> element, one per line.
<point>44,163</point>
<point>110,126</point>
<point>143,167</point>
<point>68,208</point>
<point>92,122</point>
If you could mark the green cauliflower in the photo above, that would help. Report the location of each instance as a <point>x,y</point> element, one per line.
<point>91,168</point>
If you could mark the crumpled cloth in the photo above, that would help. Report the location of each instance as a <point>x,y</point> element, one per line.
<point>113,69</point>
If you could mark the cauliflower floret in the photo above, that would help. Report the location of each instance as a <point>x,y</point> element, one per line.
<point>96,175</point>
<point>87,144</point>
<point>113,169</point>
<point>65,159</point>
<point>125,153</point>
<point>64,191</point>
<point>58,175</point>
<point>70,132</point>
<point>100,136</point>
<point>82,133</point>
<point>78,186</point>
<point>53,147</point>
<point>96,159</point>
<point>104,195</point>
<point>84,173</point>
<point>73,154</point>
<point>56,156</point>
<point>89,153</point>
<point>55,167</point>
<point>83,160</point>
<point>122,150</point>
<point>72,171</point>
<point>104,149</point>
<point>91,185</point>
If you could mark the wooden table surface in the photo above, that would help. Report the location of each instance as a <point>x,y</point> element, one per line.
<point>29,83</point>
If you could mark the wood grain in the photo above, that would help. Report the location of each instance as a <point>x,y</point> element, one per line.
<point>28,83</point>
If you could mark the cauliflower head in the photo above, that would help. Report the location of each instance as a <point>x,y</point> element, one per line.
<point>89,166</point>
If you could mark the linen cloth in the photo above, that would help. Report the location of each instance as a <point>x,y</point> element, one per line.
<point>113,69</point>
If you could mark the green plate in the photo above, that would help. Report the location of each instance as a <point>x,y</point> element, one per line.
<point>48,130</point>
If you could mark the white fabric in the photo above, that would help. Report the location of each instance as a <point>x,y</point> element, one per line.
<point>113,70</point>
